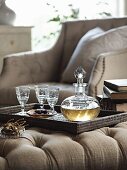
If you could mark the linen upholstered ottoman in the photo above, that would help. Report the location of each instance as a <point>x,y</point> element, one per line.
<point>40,149</point>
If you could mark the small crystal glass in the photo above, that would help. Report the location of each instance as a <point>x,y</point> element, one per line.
<point>22,93</point>
<point>40,91</point>
<point>52,97</point>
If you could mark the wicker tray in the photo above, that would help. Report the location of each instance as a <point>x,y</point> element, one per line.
<point>59,123</point>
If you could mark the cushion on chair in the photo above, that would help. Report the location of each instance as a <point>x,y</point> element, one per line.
<point>109,65</point>
<point>87,51</point>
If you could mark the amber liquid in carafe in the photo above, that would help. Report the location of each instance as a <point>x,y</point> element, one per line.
<point>80,107</point>
<point>80,114</point>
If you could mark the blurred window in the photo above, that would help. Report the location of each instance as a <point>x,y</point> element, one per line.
<point>46,15</point>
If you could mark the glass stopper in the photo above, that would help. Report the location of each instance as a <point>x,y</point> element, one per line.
<point>79,74</point>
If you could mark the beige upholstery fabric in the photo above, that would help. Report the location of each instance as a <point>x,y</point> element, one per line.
<point>110,65</point>
<point>78,55</point>
<point>40,149</point>
<point>87,51</point>
<point>48,66</point>
<point>74,30</point>
<point>32,68</point>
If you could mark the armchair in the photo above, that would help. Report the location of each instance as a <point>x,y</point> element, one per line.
<point>49,66</point>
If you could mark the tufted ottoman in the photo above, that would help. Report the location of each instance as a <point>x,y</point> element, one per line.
<point>40,149</point>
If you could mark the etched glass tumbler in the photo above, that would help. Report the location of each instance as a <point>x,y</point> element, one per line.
<point>22,93</point>
<point>40,91</point>
<point>52,97</point>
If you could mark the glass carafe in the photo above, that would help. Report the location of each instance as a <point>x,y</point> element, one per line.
<point>80,107</point>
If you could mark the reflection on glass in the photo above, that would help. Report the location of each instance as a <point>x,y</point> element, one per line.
<point>52,97</point>
<point>40,91</point>
<point>22,93</point>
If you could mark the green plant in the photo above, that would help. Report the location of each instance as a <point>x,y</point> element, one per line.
<point>60,18</point>
<point>57,17</point>
<point>103,9</point>
<point>54,24</point>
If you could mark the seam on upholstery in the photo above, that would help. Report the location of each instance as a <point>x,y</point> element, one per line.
<point>48,154</point>
<point>4,154</point>
<point>8,164</point>
<point>120,151</point>
<point>86,156</point>
<point>4,147</point>
<point>103,70</point>
<point>27,139</point>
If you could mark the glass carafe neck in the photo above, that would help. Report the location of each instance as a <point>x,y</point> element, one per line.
<point>79,89</point>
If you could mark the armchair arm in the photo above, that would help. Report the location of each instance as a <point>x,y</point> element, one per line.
<point>33,67</point>
<point>111,65</point>
<point>29,67</point>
